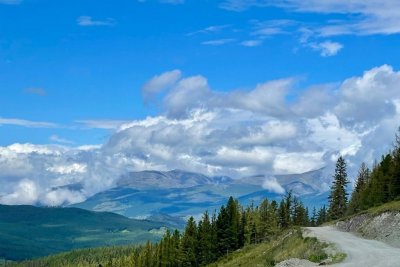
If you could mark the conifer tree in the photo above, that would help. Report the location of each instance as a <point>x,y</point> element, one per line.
<point>395,179</point>
<point>338,194</point>
<point>355,204</point>
<point>313,220</point>
<point>189,244</point>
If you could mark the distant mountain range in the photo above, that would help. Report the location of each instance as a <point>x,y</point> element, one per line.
<point>177,193</point>
<point>27,232</point>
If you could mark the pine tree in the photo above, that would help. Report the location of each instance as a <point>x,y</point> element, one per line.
<point>205,241</point>
<point>355,204</point>
<point>338,194</point>
<point>313,221</point>
<point>189,244</point>
<point>232,209</point>
<point>322,216</point>
<point>395,180</point>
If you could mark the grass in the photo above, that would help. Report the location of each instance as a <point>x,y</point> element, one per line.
<point>291,244</point>
<point>390,206</point>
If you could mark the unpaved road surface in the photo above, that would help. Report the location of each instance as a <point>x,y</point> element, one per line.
<point>360,252</point>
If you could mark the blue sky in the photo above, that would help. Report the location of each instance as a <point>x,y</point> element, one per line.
<point>229,87</point>
<point>95,72</point>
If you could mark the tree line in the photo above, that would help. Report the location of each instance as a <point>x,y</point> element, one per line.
<point>201,242</point>
<point>227,230</point>
<point>373,187</point>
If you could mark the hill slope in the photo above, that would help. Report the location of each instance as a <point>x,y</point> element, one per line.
<point>27,231</point>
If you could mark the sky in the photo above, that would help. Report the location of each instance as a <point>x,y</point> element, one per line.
<point>92,89</point>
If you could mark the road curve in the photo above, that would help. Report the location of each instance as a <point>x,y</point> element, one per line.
<point>360,252</point>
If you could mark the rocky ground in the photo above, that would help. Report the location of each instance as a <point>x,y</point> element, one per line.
<point>384,227</point>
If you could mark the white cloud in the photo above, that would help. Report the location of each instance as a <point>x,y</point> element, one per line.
<point>218,42</point>
<point>296,163</point>
<point>102,124</point>
<point>88,21</point>
<point>27,123</point>
<point>362,17</point>
<point>210,29</point>
<point>57,139</point>
<point>272,185</point>
<point>327,48</point>
<point>160,82</point>
<point>68,169</point>
<point>25,192</point>
<point>251,43</point>
<point>237,133</point>
<point>62,196</point>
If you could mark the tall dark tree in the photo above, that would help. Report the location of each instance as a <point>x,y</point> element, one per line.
<point>395,179</point>
<point>206,247</point>
<point>355,204</point>
<point>232,208</point>
<point>189,244</point>
<point>322,216</point>
<point>338,194</point>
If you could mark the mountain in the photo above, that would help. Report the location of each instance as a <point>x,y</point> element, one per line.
<point>154,194</point>
<point>28,232</point>
<point>166,180</point>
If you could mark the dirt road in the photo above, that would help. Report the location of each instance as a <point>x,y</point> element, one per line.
<point>360,252</point>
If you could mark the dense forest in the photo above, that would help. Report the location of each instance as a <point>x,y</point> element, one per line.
<point>214,236</point>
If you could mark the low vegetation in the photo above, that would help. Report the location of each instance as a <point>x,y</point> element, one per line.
<point>290,244</point>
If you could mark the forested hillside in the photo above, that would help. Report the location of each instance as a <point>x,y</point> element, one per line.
<point>27,232</point>
<point>202,243</point>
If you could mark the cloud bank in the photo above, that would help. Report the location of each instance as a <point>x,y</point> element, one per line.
<point>272,128</point>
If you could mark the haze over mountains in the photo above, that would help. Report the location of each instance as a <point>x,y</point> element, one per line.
<point>177,193</point>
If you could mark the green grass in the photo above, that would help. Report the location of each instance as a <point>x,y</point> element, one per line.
<point>289,244</point>
<point>391,206</point>
<point>29,232</point>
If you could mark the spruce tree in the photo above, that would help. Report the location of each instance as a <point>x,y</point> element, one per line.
<point>189,244</point>
<point>395,178</point>
<point>338,194</point>
<point>355,204</point>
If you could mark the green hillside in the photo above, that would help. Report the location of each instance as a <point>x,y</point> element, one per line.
<point>28,232</point>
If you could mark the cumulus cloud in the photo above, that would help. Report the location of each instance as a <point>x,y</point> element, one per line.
<point>327,48</point>
<point>238,133</point>
<point>272,185</point>
<point>25,192</point>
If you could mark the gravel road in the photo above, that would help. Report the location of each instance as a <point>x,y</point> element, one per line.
<point>360,252</point>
